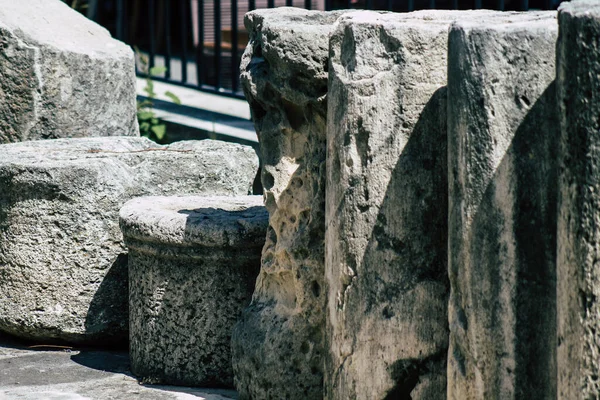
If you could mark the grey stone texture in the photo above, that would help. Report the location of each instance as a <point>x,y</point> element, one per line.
<point>193,263</point>
<point>63,264</point>
<point>62,75</point>
<point>386,208</point>
<point>503,141</point>
<point>278,346</point>
<point>578,275</point>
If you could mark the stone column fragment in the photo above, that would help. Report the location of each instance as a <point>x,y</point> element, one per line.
<point>278,344</point>
<point>503,138</point>
<point>62,75</point>
<point>193,263</point>
<point>578,88</point>
<point>386,208</point>
<point>63,263</point>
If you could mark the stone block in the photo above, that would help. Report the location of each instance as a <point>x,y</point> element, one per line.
<point>578,274</point>
<point>503,138</point>
<point>62,75</point>
<point>63,264</point>
<point>193,263</point>
<point>386,205</point>
<point>278,345</point>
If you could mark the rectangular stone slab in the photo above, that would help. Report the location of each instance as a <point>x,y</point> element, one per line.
<point>578,87</point>
<point>386,205</point>
<point>503,136</point>
<point>62,75</point>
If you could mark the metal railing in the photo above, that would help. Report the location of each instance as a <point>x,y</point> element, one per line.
<point>201,41</point>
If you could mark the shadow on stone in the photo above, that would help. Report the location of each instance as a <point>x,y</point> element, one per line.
<point>403,276</point>
<point>107,317</point>
<point>509,314</point>
<point>110,361</point>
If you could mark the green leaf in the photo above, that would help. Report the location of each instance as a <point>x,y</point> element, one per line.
<point>160,131</point>
<point>173,97</point>
<point>145,115</point>
<point>157,70</point>
<point>145,128</point>
<point>150,89</point>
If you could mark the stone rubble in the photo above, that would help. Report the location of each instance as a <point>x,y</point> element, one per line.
<point>62,75</point>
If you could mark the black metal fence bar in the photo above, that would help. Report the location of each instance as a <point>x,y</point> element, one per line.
<point>183,32</point>
<point>234,46</point>
<point>151,33</point>
<point>167,25</point>
<point>208,35</point>
<point>218,43</point>
<point>200,43</point>
<point>120,20</point>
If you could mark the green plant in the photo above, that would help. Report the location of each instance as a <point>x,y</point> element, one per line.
<point>151,126</point>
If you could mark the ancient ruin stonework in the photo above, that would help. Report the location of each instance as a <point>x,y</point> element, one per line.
<point>193,263</point>
<point>578,87</point>
<point>502,131</point>
<point>63,264</point>
<point>62,75</point>
<point>278,346</point>
<point>386,215</point>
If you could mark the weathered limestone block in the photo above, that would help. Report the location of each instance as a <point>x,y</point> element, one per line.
<point>193,263</point>
<point>386,209</point>
<point>61,75</point>
<point>578,275</point>
<point>502,130</point>
<point>63,264</point>
<point>279,343</point>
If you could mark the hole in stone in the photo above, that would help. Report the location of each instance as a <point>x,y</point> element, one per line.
<point>294,114</point>
<point>271,235</point>
<point>525,101</point>
<point>268,180</point>
<point>304,347</point>
<point>297,183</point>
<point>316,288</point>
<point>387,314</point>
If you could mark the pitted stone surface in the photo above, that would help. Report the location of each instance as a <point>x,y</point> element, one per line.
<point>278,346</point>
<point>63,265</point>
<point>193,263</point>
<point>62,75</point>
<point>578,280</point>
<point>386,240</point>
<point>503,137</point>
